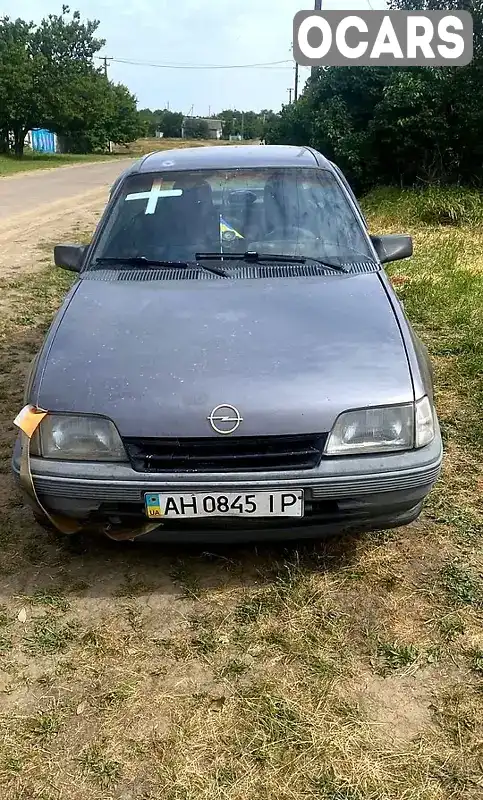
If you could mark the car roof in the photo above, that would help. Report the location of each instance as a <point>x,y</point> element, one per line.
<point>229,157</point>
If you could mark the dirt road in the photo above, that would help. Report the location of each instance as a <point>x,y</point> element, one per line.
<point>38,209</point>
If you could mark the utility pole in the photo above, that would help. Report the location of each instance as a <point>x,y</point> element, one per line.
<point>296,86</point>
<point>105,73</point>
<point>317,7</point>
<point>290,90</point>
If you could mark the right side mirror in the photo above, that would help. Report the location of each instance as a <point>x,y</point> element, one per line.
<point>69,256</point>
<point>393,247</point>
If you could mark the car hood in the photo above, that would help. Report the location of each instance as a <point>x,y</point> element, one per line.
<point>157,357</point>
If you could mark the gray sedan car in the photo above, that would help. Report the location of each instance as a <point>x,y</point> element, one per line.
<point>231,361</point>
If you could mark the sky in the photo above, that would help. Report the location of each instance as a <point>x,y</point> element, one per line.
<point>196,32</point>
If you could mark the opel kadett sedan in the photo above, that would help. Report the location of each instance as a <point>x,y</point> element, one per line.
<point>231,361</point>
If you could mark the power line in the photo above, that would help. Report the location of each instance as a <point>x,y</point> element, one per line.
<point>173,65</point>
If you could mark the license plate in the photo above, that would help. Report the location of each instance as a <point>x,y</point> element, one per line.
<point>227,504</point>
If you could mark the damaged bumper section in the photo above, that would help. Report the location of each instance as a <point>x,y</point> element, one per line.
<point>28,420</point>
<point>337,496</point>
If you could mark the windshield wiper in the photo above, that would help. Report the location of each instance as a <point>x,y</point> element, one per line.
<point>259,258</point>
<point>328,264</point>
<point>152,263</point>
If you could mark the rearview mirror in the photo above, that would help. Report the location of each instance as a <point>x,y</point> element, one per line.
<point>69,256</point>
<point>393,247</point>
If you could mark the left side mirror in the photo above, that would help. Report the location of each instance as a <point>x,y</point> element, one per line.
<point>393,247</point>
<point>69,256</point>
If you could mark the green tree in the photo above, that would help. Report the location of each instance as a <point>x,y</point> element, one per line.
<point>122,121</point>
<point>292,126</point>
<point>48,79</point>
<point>98,112</point>
<point>21,100</point>
<point>252,125</point>
<point>169,122</point>
<point>460,94</point>
<point>39,69</point>
<point>231,122</point>
<point>249,124</point>
<point>395,125</point>
<point>146,121</point>
<point>196,129</point>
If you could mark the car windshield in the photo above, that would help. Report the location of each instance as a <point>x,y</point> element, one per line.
<point>173,216</point>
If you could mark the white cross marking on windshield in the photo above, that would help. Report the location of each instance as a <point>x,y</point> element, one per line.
<point>153,196</point>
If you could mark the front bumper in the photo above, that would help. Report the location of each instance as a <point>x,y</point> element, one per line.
<point>341,494</point>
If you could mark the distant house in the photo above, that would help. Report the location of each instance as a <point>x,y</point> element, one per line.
<point>215,126</point>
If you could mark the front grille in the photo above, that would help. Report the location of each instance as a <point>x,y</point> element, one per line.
<point>237,454</point>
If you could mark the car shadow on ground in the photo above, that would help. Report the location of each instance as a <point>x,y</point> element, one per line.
<point>33,559</point>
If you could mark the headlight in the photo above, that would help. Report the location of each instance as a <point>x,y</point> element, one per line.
<point>378,430</point>
<point>71,437</point>
<point>370,430</point>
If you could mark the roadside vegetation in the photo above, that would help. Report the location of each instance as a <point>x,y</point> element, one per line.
<point>344,670</point>
<point>397,126</point>
<point>34,161</point>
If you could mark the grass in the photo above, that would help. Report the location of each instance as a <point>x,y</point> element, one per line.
<point>342,670</point>
<point>103,771</point>
<point>49,636</point>
<point>9,165</point>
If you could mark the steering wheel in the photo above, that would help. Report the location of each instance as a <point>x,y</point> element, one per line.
<point>281,233</point>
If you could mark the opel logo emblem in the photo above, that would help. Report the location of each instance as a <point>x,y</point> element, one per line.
<point>225,419</point>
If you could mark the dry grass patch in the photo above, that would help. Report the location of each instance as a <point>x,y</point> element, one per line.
<point>150,144</point>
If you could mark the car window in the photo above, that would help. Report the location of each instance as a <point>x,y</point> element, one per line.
<point>291,211</point>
